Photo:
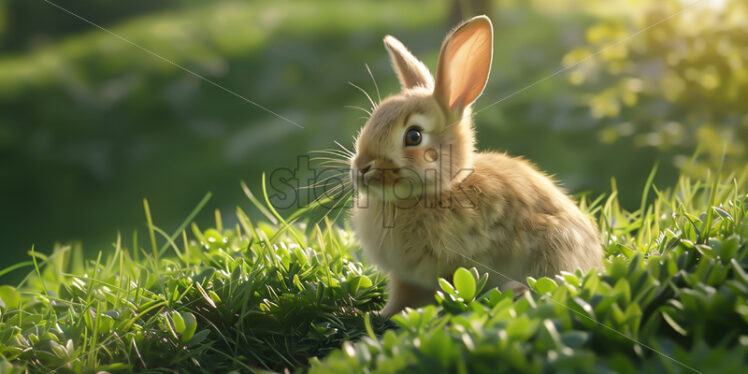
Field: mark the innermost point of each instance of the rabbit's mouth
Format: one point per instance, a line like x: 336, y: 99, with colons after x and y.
x: 381, y: 177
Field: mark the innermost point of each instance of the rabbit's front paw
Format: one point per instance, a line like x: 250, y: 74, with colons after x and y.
x: 518, y: 288
x: 404, y: 294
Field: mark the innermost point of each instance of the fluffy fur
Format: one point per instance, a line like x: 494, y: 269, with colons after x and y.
x: 423, y: 210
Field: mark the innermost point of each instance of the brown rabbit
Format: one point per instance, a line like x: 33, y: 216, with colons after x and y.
x: 426, y: 202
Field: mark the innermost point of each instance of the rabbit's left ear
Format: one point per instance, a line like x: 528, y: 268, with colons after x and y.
x: 464, y: 64
x: 410, y: 71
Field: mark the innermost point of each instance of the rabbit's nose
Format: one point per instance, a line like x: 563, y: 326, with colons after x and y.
x: 366, y: 168
x: 364, y: 163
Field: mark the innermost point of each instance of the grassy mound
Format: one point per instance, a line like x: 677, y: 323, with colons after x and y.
x: 284, y: 294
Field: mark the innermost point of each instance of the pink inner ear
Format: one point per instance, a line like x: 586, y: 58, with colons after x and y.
x: 455, y: 101
x: 471, y: 84
x: 466, y: 63
x: 469, y: 67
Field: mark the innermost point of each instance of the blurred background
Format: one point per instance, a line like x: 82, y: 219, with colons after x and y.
x: 90, y: 124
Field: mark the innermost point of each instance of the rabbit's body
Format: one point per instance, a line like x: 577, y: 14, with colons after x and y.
x: 507, y: 219
x: 427, y: 203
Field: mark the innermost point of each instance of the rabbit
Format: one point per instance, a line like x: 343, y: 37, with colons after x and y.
x: 426, y: 202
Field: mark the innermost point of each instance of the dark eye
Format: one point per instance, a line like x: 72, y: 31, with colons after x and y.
x: 413, y: 137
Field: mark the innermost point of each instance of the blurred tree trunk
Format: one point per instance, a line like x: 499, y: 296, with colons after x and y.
x: 464, y: 9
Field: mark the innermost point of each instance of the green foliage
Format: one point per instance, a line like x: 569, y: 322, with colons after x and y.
x: 244, y: 297
x: 672, y: 297
x: 671, y: 74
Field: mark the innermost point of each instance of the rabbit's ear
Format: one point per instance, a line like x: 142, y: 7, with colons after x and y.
x: 410, y: 71
x: 464, y: 64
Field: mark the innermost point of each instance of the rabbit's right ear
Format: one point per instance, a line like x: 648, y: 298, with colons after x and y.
x: 464, y: 64
x: 410, y: 71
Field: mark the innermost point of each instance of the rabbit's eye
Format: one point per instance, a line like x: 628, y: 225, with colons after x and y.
x: 413, y: 137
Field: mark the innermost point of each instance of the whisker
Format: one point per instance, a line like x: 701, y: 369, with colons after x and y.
x: 330, y: 159
x: 318, y: 183
x: 346, y: 197
x: 334, y: 152
x: 328, y: 150
x: 330, y: 194
x: 342, y: 176
x: 359, y: 108
x: 331, y: 165
x: 342, y: 185
x: 373, y: 106
x: 344, y: 148
x: 336, y: 164
x: 320, y: 197
x: 376, y: 86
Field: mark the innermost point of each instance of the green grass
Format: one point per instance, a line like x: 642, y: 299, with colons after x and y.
x: 280, y: 294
